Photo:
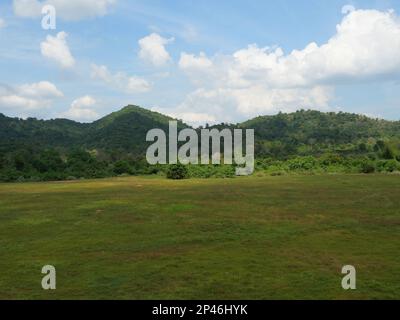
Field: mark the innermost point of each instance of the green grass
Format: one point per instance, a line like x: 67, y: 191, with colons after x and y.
x: 283, y: 237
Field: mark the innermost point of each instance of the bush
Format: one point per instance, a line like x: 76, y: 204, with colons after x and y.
x: 392, y: 165
x: 121, y: 167
x: 331, y: 159
x: 388, y: 165
x: 302, y: 163
x: 367, y: 167
x: 388, y: 153
x: 225, y: 171
x: 177, y: 172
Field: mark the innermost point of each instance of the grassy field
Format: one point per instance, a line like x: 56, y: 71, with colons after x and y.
x: 283, y: 237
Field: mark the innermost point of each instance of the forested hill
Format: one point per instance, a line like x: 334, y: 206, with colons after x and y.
x: 304, y: 126
x: 124, y: 130
x: 16, y: 133
x: 35, y: 149
x: 313, y: 132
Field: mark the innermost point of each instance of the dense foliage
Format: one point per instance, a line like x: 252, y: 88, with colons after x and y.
x: 177, y: 172
x: 303, y: 142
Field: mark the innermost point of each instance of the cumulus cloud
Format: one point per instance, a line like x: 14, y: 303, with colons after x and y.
x: 348, y: 8
x: 259, y: 80
x: 193, y: 118
x: 366, y: 44
x: 56, y: 48
x: 191, y: 62
x: 152, y: 49
x: 43, y: 89
x: 28, y: 97
x: 66, y: 9
x: 229, y: 104
x: 82, y: 110
x: 120, y: 81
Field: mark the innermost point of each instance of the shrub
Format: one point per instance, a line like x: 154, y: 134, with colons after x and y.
x: 391, y: 165
x: 367, y: 167
x: 331, y: 159
x: 388, y: 153
x: 121, y: 167
x: 387, y: 165
x: 226, y: 171
x: 177, y: 172
x: 302, y: 163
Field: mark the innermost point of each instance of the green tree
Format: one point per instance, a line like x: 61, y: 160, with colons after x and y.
x: 388, y: 153
x: 122, y: 166
x: 367, y: 167
x: 177, y: 172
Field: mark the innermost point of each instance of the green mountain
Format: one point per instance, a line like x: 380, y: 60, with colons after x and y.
x: 35, y: 149
x: 301, y: 126
x: 124, y: 130
x: 16, y: 133
x: 314, y: 132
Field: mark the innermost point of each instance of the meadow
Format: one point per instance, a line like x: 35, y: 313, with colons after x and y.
x: 273, y: 237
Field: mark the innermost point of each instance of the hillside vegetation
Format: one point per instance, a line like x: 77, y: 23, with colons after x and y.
x: 304, y: 141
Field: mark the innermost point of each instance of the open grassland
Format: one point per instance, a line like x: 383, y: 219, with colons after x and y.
x: 283, y: 237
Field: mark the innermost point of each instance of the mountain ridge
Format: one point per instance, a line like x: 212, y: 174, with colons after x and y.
x: 125, y: 130
x: 136, y: 108
x: 302, y: 141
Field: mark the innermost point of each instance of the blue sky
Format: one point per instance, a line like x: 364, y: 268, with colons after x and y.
x: 203, y: 61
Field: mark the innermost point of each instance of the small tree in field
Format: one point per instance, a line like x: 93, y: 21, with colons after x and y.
x: 367, y: 167
x: 177, y: 172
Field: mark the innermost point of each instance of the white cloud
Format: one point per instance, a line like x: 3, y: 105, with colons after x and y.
x: 191, y: 62
x: 257, y: 80
x: 56, y: 48
x: 201, y: 69
x: 66, y: 9
x: 42, y: 89
x: 27, y: 8
x: 82, y: 110
x: 229, y: 104
x: 152, y: 49
x: 366, y: 44
x: 17, y: 102
x: 2, y: 23
x: 120, y: 81
x: 348, y: 8
x: 29, y: 97
x: 192, y: 118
